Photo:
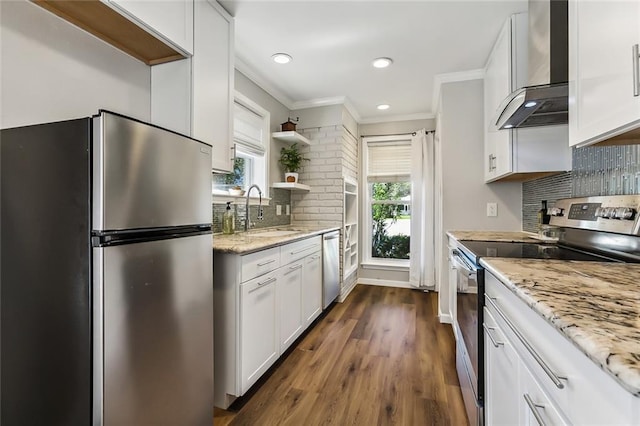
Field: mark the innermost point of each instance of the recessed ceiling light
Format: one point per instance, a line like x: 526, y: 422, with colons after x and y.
x: 281, y: 58
x: 383, y: 106
x: 530, y: 104
x: 382, y: 62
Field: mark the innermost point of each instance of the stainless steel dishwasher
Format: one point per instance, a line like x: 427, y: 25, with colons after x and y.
x: 330, y: 267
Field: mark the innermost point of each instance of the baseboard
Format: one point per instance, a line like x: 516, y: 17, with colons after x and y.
x: 445, y: 318
x: 385, y: 283
x: 344, y: 292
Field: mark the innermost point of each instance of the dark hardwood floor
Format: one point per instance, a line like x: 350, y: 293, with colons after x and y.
x: 379, y: 358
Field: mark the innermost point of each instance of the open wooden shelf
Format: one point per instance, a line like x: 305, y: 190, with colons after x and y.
x: 291, y: 137
x: 291, y: 186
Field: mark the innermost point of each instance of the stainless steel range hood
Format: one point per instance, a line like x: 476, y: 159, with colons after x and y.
x: 544, y: 101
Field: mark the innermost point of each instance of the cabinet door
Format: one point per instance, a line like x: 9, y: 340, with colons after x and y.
x: 312, y: 288
x: 290, y: 307
x: 212, y: 84
x: 502, y: 404
x: 497, y: 86
x: 172, y: 20
x: 258, y: 328
x: 601, y: 93
x: 536, y: 407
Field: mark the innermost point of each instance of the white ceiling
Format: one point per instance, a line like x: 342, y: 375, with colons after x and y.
x: 334, y: 42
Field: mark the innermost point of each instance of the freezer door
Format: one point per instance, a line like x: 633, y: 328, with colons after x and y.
x: 153, y: 323
x: 147, y: 177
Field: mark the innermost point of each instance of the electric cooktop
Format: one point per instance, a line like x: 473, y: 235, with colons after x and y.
x: 528, y: 251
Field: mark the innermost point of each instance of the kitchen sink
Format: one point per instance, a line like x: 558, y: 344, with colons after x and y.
x: 268, y: 234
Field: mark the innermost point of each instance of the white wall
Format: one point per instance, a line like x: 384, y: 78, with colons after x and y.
x: 279, y: 114
x: 464, y: 193
x: 396, y: 127
x: 386, y: 128
x: 52, y: 70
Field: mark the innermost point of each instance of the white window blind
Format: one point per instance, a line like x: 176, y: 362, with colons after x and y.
x: 248, y: 128
x: 388, y: 161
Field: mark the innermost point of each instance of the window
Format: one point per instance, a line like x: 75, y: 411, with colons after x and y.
x: 388, y: 199
x: 251, y: 145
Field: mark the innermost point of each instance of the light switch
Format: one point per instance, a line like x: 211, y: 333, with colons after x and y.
x: 492, y: 209
x: 288, y: 210
x: 278, y: 209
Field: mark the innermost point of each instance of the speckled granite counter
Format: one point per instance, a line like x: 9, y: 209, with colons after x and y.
x: 596, y: 305
x: 248, y: 242
x: 498, y: 236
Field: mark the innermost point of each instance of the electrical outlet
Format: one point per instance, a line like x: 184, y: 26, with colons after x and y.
x: 288, y: 210
x: 278, y: 210
x: 492, y: 209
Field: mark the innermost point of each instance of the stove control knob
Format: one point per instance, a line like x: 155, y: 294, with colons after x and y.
x: 556, y: 211
x: 600, y: 212
x: 607, y: 212
x: 625, y: 213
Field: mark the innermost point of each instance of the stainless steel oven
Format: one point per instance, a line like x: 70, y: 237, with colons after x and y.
x: 468, y: 321
x: 591, y: 229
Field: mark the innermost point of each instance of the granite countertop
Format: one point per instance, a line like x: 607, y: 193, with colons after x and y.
x: 596, y: 305
x: 249, y: 242
x: 497, y: 236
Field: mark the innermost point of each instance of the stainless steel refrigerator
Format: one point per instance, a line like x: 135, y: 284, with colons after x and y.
x: 106, y: 275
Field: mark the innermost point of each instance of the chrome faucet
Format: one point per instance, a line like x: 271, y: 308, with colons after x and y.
x: 247, y: 223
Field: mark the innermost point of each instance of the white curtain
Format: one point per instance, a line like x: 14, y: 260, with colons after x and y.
x: 422, y: 261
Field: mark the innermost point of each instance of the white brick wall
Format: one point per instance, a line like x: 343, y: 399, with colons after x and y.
x: 333, y: 154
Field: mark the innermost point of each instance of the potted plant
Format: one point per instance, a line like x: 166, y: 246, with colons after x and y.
x: 291, y: 160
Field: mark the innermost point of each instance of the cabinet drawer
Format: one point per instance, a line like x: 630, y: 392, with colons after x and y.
x: 587, y: 394
x: 259, y: 263
x: 300, y: 249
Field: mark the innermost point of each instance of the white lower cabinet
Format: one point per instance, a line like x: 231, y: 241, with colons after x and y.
x: 290, y: 297
x: 501, y: 370
x: 537, y: 407
x: 258, y: 323
x: 263, y: 302
x: 312, y: 288
x: 534, y: 370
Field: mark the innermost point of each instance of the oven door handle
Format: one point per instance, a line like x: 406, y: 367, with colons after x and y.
x: 459, y: 259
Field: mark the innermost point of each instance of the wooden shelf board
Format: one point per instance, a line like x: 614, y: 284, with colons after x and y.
x: 105, y: 23
x: 291, y: 137
x: 291, y: 186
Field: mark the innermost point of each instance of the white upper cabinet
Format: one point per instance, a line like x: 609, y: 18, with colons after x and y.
x: 517, y: 154
x: 212, y: 62
x: 172, y: 20
x: 195, y: 96
x: 604, y: 96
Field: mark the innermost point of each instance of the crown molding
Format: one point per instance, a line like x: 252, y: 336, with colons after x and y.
x: 440, y: 79
x: 335, y: 100
x: 390, y: 118
x: 268, y: 87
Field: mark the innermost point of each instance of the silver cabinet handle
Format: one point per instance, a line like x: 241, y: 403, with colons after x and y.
x: 555, y: 378
x: 270, y: 280
x: 494, y: 341
x: 490, y: 162
x: 302, y: 249
x: 266, y: 263
x: 233, y: 152
x: 263, y: 283
x: 635, y: 52
x: 293, y: 268
x: 534, y: 409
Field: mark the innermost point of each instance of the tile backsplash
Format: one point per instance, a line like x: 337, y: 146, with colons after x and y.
x: 550, y: 188
x: 607, y: 170
x: 596, y: 170
x: 278, y: 197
